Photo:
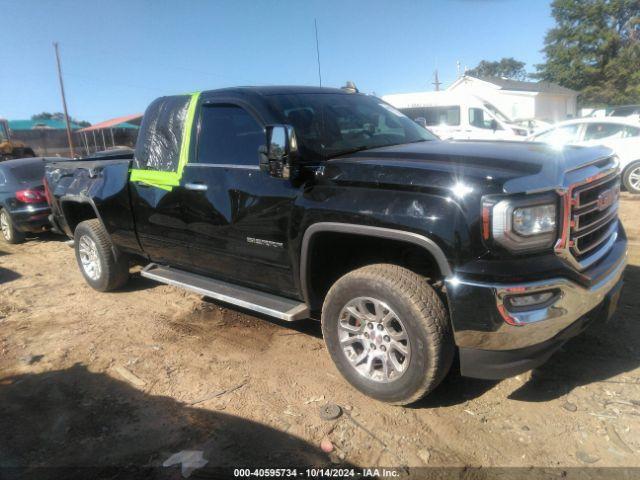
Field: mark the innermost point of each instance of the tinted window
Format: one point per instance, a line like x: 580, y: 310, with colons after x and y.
x: 435, y: 115
x: 331, y: 124
x: 597, y: 131
x: 632, y: 131
x: 229, y: 135
x: 29, y: 172
x: 565, y: 134
x: 478, y: 118
x: 3, y: 179
x: 625, y: 111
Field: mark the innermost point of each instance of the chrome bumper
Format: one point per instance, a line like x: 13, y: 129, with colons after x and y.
x: 520, y: 329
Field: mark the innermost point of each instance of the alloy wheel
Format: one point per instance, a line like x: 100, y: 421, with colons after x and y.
x: 634, y: 179
x: 89, y: 257
x: 374, y: 339
x: 5, y: 225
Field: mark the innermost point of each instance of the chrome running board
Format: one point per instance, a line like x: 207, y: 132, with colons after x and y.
x: 255, y: 300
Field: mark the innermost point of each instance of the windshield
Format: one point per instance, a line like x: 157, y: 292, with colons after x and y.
x: 332, y: 124
x: 497, y: 113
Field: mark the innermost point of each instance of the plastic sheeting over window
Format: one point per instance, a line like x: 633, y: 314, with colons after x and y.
x: 160, y: 139
x: 162, y: 150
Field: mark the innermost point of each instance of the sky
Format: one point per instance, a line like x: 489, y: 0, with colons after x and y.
x: 118, y: 55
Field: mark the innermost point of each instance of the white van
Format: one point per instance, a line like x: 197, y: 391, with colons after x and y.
x: 452, y: 115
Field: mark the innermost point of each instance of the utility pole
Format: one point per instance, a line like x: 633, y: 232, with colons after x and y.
x: 315, y: 22
x: 436, y: 82
x: 64, y: 101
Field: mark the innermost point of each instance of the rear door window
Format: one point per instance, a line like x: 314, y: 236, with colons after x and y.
x: 435, y: 116
x: 229, y: 135
x: 160, y: 138
x: 598, y: 131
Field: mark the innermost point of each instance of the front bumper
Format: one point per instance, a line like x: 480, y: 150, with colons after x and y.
x: 32, y: 218
x: 495, y: 342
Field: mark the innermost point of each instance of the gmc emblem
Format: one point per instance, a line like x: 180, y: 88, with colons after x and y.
x: 606, y: 198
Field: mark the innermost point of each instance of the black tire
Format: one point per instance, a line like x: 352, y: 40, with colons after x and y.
x: 632, y: 168
x: 423, y: 316
x: 10, y: 233
x: 113, y: 270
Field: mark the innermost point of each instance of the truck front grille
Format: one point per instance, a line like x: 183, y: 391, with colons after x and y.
x: 594, y: 216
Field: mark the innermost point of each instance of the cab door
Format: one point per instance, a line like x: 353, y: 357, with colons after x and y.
x: 238, y: 217
x: 157, y: 189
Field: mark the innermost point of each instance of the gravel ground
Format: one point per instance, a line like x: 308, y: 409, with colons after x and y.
x: 129, y: 378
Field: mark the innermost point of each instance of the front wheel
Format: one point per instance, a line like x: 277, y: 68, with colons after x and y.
x: 388, y: 333
x: 631, y: 177
x: 10, y: 233
x: 98, y: 262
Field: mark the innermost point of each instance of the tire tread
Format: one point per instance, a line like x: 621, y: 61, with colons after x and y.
x: 432, y: 317
x: 115, y: 270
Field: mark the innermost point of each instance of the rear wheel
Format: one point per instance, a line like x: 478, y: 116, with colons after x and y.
x: 631, y: 177
x: 388, y: 333
x: 9, y: 232
x: 99, y: 264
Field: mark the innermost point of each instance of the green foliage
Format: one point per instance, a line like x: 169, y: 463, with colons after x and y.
x: 595, y: 49
x: 506, y: 67
x: 58, y: 116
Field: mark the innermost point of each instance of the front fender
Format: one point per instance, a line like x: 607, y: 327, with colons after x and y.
x: 428, y: 220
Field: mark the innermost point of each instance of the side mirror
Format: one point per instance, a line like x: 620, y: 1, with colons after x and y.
x: 494, y: 124
x: 421, y: 121
x: 280, y: 154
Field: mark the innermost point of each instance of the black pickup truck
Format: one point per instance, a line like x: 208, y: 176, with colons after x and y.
x: 299, y: 202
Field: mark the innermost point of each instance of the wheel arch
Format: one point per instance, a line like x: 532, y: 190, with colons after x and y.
x: 77, y: 210
x: 422, y: 242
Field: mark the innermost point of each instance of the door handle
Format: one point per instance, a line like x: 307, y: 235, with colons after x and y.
x: 199, y: 187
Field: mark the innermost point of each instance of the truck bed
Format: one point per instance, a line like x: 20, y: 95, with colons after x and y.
x: 93, y: 188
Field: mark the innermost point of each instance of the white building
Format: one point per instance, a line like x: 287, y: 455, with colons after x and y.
x: 544, y: 101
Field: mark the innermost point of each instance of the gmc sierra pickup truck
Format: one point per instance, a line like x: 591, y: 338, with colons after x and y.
x: 318, y: 203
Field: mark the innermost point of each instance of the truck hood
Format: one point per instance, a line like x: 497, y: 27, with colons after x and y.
x: 499, y: 166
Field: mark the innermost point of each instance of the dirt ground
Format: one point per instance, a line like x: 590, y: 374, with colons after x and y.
x: 130, y: 378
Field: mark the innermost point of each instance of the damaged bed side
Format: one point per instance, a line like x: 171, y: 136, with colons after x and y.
x: 97, y: 187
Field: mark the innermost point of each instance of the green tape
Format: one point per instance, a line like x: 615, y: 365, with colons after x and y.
x: 168, y: 180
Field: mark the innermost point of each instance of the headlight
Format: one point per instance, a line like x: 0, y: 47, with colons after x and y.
x: 522, y: 225
x: 529, y: 221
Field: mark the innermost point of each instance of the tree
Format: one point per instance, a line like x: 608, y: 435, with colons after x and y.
x: 506, y: 67
x: 58, y: 116
x: 595, y: 49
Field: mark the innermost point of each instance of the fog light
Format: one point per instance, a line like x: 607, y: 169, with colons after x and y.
x: 519, y: 302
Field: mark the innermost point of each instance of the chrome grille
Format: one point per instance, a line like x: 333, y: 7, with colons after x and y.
x: 594, y: 216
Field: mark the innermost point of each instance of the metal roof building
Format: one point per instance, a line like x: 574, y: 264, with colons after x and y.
x: 119, y: 131
x: 52, y: 124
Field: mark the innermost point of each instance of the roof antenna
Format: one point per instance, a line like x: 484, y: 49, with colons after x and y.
x: 315, y: 22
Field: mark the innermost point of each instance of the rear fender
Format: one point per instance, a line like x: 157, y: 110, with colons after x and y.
x: 105, y: 188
